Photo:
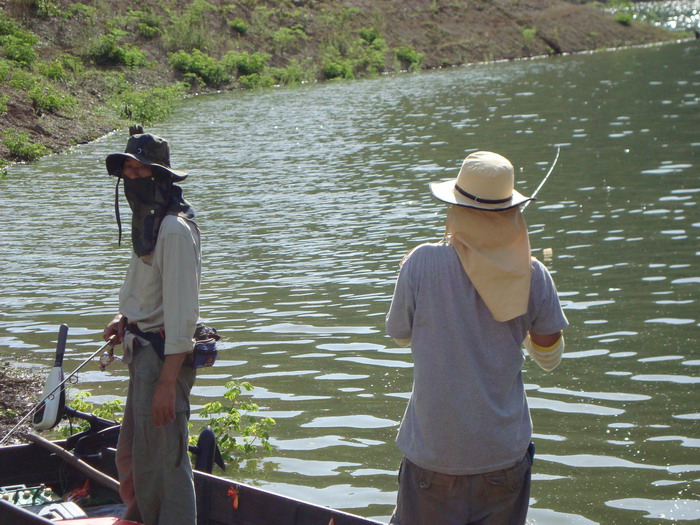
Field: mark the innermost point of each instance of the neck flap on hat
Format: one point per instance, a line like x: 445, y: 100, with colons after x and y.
x: 494, y: 250
x: 151, y: 199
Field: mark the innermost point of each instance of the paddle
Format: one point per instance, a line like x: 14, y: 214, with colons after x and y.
x: 79, y: 464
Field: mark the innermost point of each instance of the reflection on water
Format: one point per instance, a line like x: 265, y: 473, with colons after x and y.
x: 309, y: 197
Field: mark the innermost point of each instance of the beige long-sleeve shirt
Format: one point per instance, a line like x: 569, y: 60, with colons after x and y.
x: 161, y: 290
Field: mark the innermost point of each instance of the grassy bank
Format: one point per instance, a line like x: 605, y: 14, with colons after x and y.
x: 72, y: 71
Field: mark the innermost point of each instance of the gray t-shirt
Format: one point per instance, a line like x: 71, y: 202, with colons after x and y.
x: 468, y: 412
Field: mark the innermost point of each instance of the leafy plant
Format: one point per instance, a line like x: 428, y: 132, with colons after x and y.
x: 48, y: 98
x: 624, y: 18
x: 18, y: 49
x: 111, y: 410
x: 245, y: 63
x: 22, y: 79
x: 239, y: 26
x: 46, y: 8
x: 21, y: 147
x: 337, y: 68
x: 149, y: 105
x: 190, y: 30
x: 409, y: 57
x: 62, y: 67
x: 81, y: 9
x: 237, y: 432
x: 4, y: 99
x: 106, y: 50
x: 5, y: 68
x: 529, y: 34
x: 17, y: 44
x: 285, y: 37
x: 210, y: 70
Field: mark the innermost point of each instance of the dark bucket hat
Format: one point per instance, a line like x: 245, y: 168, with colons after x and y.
x: 148, y: 149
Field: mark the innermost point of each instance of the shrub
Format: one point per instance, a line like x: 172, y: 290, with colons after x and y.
x: 337, y: 68
x: 21, y: 147
x: 238, y: 25
x: 45, y: 8
x: 245, y: 63
x: 369, y: 34
x: 19, y: 50
x: 624, y: 18
x: 48, y: 98
x: 190, y: 29
x: 23, y: 79
x: 4, y: 99
x: 62, y: 67
x: 285, y: 37
x: 106, y: 50
x: 87, y: 11
x: 290, y: 75
x: 149, y: 105
x: 149, y: 23
x: 236, y: 430
x: 148, y: 31
x: 529, y: 34
x: 5, y: 68
x: 107, y: 410
x: 409, y: 58
x: 17, y: 44
x: 210, y: 70
x: 256, y: 80
x: 130, y: 56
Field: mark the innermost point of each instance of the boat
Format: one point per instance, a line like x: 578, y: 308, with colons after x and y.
x: 73, y: 482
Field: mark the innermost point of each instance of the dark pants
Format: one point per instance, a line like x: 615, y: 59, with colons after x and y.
x: 493, y: 498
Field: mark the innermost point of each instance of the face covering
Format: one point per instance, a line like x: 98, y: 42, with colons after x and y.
x: 150, y: 200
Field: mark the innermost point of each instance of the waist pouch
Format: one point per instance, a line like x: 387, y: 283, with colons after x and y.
x: 205, y: 338
x: 205, y: 352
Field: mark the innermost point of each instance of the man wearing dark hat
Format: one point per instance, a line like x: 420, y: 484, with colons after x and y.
x: 466, y: 306
x: 158, y: 311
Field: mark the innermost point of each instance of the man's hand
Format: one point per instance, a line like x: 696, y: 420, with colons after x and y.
x: 163, y: 406
x: 116, y: 327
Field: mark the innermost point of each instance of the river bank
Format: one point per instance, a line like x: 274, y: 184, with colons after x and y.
x: 72, y: 71
x: 20, y: 390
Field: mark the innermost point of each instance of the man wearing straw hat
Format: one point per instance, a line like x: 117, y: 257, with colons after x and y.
x: 158, y: 311
x: 466, y: 306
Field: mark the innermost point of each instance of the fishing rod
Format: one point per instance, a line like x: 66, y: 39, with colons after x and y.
x: 551, y: 168
x: 49, y: 411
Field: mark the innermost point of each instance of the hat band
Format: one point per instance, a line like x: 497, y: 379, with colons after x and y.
x: 479, y: 199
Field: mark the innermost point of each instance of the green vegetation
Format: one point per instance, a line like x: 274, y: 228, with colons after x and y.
x: 105, y: 64
x: 239, y: 434
x: 529, y: 34
x: 111, y: 410
x: 237, y: 431
x: 148, y: 106
x: 21, y: 147
x: 409, y: 58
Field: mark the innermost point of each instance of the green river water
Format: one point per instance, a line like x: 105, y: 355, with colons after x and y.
x: 309, y: 197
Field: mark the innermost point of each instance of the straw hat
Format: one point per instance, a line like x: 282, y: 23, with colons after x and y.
x: 485, y: 182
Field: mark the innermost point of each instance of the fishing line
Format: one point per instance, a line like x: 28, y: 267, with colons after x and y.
x: 51, y: 394
x: 551, y: 168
